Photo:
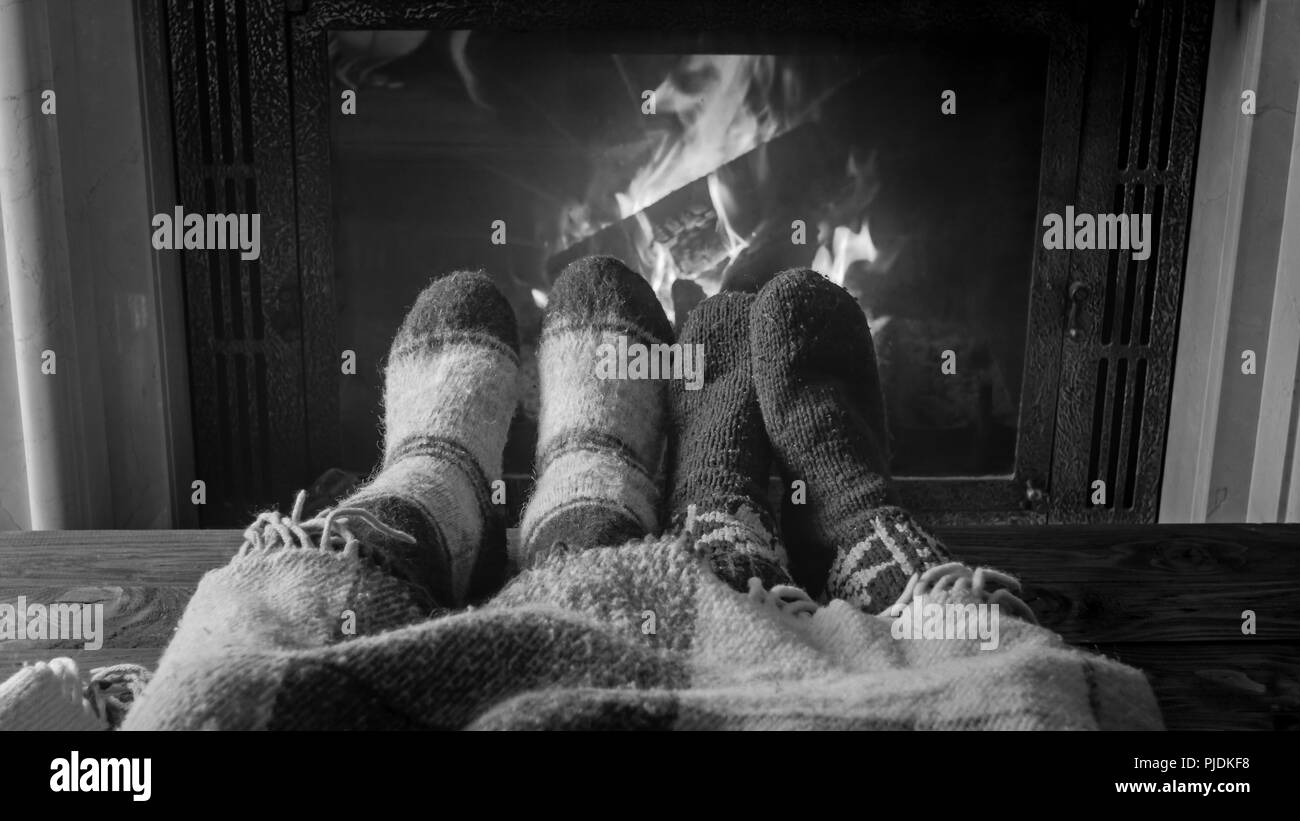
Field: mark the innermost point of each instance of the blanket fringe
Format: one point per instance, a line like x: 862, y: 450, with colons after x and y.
x: 957, y: 577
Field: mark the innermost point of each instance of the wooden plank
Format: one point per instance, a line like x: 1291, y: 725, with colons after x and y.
x: 1155, y: 553
x: 1241, y: 685
x: 109, y: 557
x: 1172, y: 611
x: 145, y: 615
x: 133, y: 616
x: 1090, y: 583
x: 1067, y: 552
x: 87, y: 660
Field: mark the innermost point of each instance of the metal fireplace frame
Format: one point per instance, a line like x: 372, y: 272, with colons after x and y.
x: 249, y: 93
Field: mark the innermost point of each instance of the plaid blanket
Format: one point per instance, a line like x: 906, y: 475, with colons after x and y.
x: 640, y: 636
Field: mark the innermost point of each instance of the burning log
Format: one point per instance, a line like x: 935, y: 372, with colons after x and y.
x: 776, y: 177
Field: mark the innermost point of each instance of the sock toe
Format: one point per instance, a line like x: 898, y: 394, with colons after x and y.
x: 594, y: 289
x: 463, y: 302
x: 810, y: 333
x: 816, y: 373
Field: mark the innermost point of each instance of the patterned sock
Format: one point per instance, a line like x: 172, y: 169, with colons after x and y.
x: 816, y: 377
x: 599, y: 437
x: 451, y: 385
x: 719, y: 452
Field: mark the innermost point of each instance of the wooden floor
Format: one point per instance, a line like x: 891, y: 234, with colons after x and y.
x: 1165, y: 598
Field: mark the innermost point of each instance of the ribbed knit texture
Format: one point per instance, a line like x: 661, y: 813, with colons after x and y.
x: 819, y: 389
x: 599, y: 441
x: 719, y: 454
x: 451, y: 386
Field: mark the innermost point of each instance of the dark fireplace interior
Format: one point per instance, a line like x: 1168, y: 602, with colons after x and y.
x: 761, y: 153
x: 710, y: 146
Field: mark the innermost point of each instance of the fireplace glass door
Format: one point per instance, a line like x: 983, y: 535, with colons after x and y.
x: 904, y: 170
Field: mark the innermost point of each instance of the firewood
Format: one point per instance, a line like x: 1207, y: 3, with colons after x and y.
x: 787, y: 169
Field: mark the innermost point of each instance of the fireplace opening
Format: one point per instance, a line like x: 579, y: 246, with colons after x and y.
x: 706, y: 162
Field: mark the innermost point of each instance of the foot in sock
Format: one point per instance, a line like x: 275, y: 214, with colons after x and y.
x: 451, y: 386
x: 816, y: 378
x: 719, y: 453
x: 599, y: 440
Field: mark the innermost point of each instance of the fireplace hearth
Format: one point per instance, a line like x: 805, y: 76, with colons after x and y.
x: 908, y: 151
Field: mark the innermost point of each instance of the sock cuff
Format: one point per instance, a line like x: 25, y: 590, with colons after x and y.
x: 449, y: 453
x: 739, y: 545
x: 872, y: 572
x: 592, y: 479
x: 591, y: 442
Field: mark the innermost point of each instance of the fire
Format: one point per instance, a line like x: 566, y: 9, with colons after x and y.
x: 710, y: 110
x: 724, y: 204
x: 843, y: 245
x: 657, y: 263
x: 717, y: 122
x: 721, y: 103
x: 846, y: 247
x: 459, y: 41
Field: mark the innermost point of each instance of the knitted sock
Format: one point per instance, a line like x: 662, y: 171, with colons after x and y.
x: 719, y: 452
x: 816, y: 377
x: 599, y: 436
x: 451, y: 385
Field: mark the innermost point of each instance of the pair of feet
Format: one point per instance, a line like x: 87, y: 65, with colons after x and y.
x: 789, y: 377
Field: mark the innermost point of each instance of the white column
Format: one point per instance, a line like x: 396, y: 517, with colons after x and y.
x: 63, y: 489
x: 1224, y: 456
x: 1275, y: 482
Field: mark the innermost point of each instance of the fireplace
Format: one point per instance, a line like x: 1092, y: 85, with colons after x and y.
x: 704, y: 170
x: 908, y: 151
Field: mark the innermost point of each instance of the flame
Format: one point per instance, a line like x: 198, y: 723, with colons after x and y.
x: 843, y: 246
x: 657, y: 263
x: 459, y: 41
x: 846, y: 247
x: 717, y: 123
x: 726, y: 114
x: 540, y: 299
x: 575, y: 223
x: 710, y: 110
x: 723, y: 204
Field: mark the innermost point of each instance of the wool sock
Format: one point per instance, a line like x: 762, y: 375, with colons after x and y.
x: 817, y: 382
x: 600, y: 429
x: 719, y: 453
x: 451, y: 386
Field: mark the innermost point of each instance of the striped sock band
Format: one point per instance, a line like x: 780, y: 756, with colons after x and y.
x: 600, y: 436
x: 872, y: 572
x: 817, y: 382
x: 451, y: 385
